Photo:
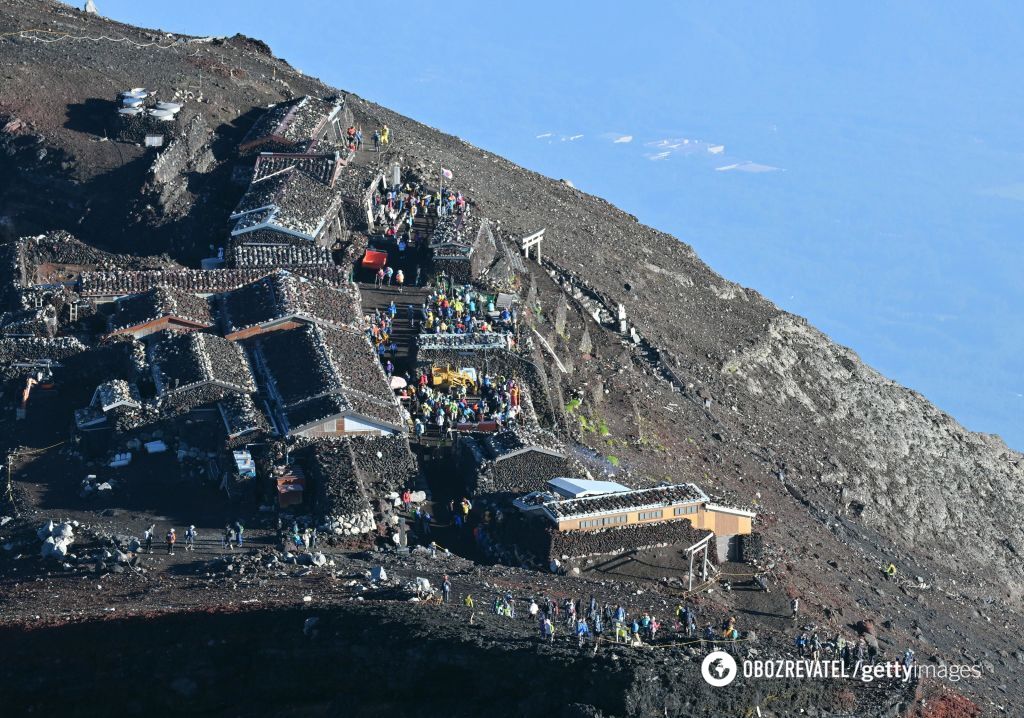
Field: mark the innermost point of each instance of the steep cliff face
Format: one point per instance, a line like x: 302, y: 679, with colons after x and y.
x: 901, y: 466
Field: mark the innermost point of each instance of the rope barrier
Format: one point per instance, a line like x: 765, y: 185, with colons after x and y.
x: 30, y: 34
x: 19, y: 452
x: 674, y: 644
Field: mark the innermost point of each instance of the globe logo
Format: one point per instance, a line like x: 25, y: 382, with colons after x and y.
x: 718, y: 669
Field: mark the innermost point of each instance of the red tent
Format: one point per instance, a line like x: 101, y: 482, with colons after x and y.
x: 374, y: 260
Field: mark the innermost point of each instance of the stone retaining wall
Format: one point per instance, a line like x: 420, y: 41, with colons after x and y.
x: 544, y: 542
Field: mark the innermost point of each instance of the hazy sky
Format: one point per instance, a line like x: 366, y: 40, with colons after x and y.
x: 859, y: 165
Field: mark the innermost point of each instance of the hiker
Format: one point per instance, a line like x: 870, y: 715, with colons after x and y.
x: 569, y: 606
x: 762, y: 581
x: 794, y: 606
x: 582, y: 631
x: 842, y: 649
x: 385, y: 135
x: 801, y: 644
x: 380, y: 277
x: 238, y: 532
x: 389, y: 368
x: 425, y: 519
x: 468, y: 602
x: 406, y: 499
x: 908, y: 660
x: 312, y: 538
x: 190, y: 538
x: 419, y: 431
x: 376, y: 141
x: 147, y: 537
x: 400, y: 280
x: 446, y: 590
x: 389, y: 273
x: 890, y: 571
x: 171, y: 538
x: 359, y: 138
x: 708, y: 640
x: 229, y: 536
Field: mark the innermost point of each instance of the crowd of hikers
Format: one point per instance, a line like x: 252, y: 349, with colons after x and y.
x: 445, y: 408
x: 380, y: 332
x: 354, y: 138
x: 461, y: 309
x: 396, y: 210
x: 592, y: 621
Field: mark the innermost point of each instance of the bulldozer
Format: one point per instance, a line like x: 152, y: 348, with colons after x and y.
x: 448, y: 378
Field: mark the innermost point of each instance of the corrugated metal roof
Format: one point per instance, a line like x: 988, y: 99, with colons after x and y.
x: 578, y: 488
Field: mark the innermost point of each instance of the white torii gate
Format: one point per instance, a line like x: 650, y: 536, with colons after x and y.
x: 533, y: 240
x: 705, y: 567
